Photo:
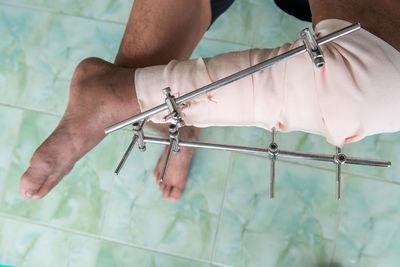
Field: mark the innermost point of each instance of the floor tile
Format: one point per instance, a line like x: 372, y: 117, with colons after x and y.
x: 10, y: 121
x: 22, y: 34
x: 210, y: 48
x: 24, y: 244
x: 296, y: 228
x: 276, y: 27
x: 237, y: 24
x: 78, y: 202
x: 109, y: 10
x: 69, y: 40
x: 111, y: 254
x: 369, y: 233
x: 138, y: 214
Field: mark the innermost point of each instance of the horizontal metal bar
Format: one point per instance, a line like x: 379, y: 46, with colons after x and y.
x: 264, y: 152
x: 304, y: 155
x: 234, y: 77
x: 368, y: 162
x: 240, y: 149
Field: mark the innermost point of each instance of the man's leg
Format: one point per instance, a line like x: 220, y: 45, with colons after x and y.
x: 159, y: 31
x: 102, y: 93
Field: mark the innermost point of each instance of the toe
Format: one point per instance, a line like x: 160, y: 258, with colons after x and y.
x: 166, y: 192
x: 31, y: 182
x: 176, y: 193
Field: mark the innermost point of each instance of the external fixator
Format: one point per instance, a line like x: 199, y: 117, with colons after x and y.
x: 312, y: 46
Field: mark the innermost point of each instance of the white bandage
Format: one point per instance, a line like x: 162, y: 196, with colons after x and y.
x: 354, y: 95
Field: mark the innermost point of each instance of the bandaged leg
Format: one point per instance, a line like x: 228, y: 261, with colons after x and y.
x: 354, y: 95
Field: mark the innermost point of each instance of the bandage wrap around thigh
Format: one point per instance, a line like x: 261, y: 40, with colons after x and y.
x: 354, y: 95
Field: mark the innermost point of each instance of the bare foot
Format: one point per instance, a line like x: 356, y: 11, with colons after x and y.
x: 178, y: 169
x: 100, y: 94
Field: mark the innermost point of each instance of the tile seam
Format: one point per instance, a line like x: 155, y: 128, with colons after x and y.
x: 54, y: 11
x: 98, y: 237
x: 213, y: 248
x: 225, y: 41
x: 30, y: 109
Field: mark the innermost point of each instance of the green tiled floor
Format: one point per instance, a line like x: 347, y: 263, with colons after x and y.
x: 225, y: 217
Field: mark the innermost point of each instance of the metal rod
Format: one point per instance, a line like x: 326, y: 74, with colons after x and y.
x: 126, y: 155
x: 338, y: 173
x: 338, y: 181
x: 273, y: 147
x: 272, y: 182
x: 264, y: 152
x: 164, y: 170
x: 234, y: 77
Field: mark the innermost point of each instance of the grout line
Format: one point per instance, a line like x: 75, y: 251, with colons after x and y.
x: 54, y: 11
x: 226, y: 41
x: 14, y: 146
x: 213, y: 248
x: 98, y: 237
x: 220, y: 264
x: 253, y: 38
x: 31, y: 109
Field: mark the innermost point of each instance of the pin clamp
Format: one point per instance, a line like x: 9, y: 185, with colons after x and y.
x: 173, y: 108
x: 313, y: 48
x: 311, y: 45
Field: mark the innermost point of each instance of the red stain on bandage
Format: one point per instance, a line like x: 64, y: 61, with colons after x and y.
x: 354, y: 137
x: 209, y: 97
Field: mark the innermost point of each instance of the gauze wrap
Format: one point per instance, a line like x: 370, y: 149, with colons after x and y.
x: 356, y: 93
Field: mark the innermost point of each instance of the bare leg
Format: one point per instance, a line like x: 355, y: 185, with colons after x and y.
x: 157, y: 32
x: 102, y: 94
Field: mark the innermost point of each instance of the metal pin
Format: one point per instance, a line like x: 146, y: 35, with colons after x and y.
x: 138, y: 131
x: 273, y: 150
x: 138, y: 136
x: 126, y: 155
x: 173, y: 146
x: 339, y: 159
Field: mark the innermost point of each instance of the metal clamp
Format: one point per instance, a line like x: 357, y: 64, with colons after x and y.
x: 173, y: 146
x: 138, y: 137
x: 313, y: 48
x: 173, y: 108
x: 273, y: 152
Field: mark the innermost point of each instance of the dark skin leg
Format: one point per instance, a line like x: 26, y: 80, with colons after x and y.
x: 176, y: 34
x: 102, y: 94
